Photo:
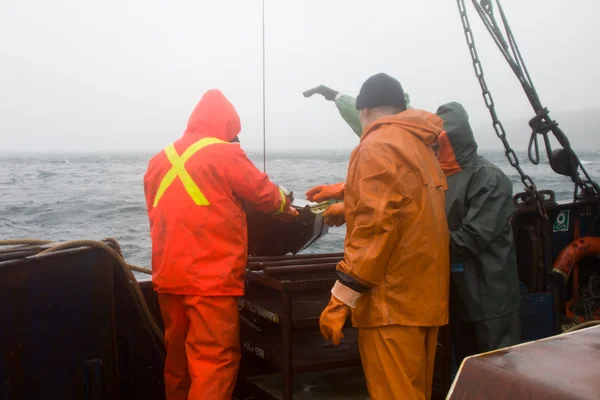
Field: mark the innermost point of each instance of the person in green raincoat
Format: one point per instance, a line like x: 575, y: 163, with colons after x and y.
x: 484, y: 289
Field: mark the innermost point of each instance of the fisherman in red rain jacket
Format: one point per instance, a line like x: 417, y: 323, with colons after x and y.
x: 194, y: 192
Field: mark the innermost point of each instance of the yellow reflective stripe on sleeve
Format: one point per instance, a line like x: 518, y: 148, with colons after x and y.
x: 178, y: 170
x: 283, y: 202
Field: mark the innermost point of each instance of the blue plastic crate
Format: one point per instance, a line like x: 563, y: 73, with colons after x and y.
x: 537, y: 319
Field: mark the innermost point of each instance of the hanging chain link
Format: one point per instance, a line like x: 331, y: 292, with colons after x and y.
x: 541, y: 124
x: 489, y: 102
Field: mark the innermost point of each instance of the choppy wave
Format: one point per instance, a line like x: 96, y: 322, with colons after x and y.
x: 9, y: 181
x: 93, y: 197
x: 47, y: 174
x: 132, y: 209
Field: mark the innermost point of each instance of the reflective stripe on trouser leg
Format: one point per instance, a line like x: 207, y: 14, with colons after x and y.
x: 177, y: 378
x: 213, y: 346
x: 398, y: 361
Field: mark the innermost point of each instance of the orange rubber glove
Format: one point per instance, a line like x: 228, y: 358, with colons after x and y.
x: 326, y: 192
x: 334, y: 215
x: 332, y: 320
x: 289, y: 214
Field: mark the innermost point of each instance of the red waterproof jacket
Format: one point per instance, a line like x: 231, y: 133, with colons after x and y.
x: 194, y: 192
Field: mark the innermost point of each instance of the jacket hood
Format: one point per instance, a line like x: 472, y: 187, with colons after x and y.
x: 214, y: 116
x: 423, y: 124
x: 457, y: 143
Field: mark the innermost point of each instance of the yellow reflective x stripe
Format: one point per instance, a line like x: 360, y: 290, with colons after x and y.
x: 283, y: 201
x: 178, y: 170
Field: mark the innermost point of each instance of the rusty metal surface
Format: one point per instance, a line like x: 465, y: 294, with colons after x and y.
x: 533, y: 247
x: 561, y: 367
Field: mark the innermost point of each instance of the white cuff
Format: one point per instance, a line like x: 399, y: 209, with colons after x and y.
x: 345, y: 294
x: 337, y: 96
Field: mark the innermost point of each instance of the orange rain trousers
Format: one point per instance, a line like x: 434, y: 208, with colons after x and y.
x: 203, y: 346
x: 398, y: 361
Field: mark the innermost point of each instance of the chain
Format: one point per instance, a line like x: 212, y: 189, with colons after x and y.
x: 541, y: 124
x: 489, y: 102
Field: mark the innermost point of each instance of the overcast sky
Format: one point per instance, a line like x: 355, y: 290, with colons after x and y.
x: 124, y: 75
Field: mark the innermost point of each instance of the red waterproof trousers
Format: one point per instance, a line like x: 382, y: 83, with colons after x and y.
x: 203, y: 346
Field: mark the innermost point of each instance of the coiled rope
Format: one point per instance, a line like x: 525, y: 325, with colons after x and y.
x: 112, y: 243
x: 583, y: 325
x: 24, y: 242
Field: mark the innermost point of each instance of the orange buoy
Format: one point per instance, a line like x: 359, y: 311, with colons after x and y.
x: 574, y: 252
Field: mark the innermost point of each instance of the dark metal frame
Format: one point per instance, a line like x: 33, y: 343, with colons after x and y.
x: 291, y: 280
x: 291, y: 277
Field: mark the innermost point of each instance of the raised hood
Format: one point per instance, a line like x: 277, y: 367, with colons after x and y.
x: 214, y: 116
x: 457, y: 143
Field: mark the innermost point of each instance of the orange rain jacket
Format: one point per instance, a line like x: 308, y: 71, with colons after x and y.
x: 397, y: 236
x: 194, y: 192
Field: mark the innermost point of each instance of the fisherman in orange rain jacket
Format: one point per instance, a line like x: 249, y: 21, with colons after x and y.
x: 394, y: 278
x: 194, y: 192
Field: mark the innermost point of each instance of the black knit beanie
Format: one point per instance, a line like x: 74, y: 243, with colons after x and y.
x: 381, y: 90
